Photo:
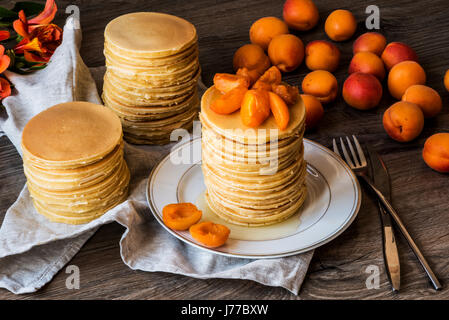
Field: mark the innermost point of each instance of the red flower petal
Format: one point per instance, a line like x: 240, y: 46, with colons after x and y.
x: 46, y: 16
x: 4, y: 63
x: 31, y: 57
x: 21, y: 25
x: 4, y: 34
x: 5, y: 88
x: 33, y: 45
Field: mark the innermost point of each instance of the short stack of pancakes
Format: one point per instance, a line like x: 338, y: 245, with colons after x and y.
x: 73, y: 161
x: 254, y: 177
x: 152, y: 73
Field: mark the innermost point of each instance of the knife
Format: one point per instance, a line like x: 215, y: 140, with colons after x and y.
x: 381, y: 180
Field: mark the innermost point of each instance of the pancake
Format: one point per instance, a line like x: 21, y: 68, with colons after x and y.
x: 254, y: 177
x: 152, y: 70
x: 71, y: 133
x: 231, y: 126
x: 73, y: 161
x: 153, y: 34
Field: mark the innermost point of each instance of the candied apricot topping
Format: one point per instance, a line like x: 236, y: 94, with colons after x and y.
x: 180, y: 216
x: 229, y: 102
x: 251, y: 75
x: 279, y: 110
x: 255, y: 108
x: 287, y: 92
x: 210, y: 234
x: 225, y: 82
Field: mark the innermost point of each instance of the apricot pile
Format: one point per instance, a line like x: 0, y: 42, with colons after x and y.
x: 373, y: 61
x: 256, y: 98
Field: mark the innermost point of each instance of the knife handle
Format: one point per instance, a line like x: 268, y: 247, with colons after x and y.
x: 391, y: 256
x: 433, y: 278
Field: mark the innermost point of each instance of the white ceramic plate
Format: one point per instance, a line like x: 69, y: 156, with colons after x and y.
x: 333, y: 201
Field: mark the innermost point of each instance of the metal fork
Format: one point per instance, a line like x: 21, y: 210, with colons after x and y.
x: 359, y: 165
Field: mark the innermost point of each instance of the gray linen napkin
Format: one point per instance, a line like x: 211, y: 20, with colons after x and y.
x: 33, y: 249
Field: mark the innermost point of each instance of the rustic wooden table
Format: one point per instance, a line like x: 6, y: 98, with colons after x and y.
x: 338, y: 269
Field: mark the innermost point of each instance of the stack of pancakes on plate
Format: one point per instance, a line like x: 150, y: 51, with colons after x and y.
x: 152, y: 73
x: 73, y: 161
x: 254, y: 176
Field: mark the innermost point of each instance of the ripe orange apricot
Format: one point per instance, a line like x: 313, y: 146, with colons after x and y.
x: 230, y: 101
x: 367, y: 62
x: 300, y: 15
x: 403, y: 75
x: 251, y: 56
x: 425, y: 97
x: 255, y: 108
x: 340, y: 25
x: 225, y: 82
x: 322, y: 55
x: 287, y: 92
x: 396, y: 52
x: 180, y: 216
x: 280, y: 110
x: 370, y: 42
x: 321, y: 84
x: 210, y: 234
x: 436, y: 152
x: 286, y: 51
x: 362, y: 91
x: 265, y: 29
x: 403, y: 121
x: 446, y: 80
x: 314, y: 110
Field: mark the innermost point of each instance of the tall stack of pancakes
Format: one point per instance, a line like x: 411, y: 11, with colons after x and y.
x: 254, y: 177
x: 73, y: 161
x: 152, y: 73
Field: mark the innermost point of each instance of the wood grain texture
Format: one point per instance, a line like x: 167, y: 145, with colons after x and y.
x: 338, y: 268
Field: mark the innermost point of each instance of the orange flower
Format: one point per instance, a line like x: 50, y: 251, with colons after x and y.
x: 24, y: 27
x: 40, y: 38
x: 5, y: 88
x: 4, y: 35
x: 4, y: 59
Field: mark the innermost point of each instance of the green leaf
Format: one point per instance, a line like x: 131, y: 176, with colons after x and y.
x: 5, y: 24
x: 30, y: 8
x: 5, y: 13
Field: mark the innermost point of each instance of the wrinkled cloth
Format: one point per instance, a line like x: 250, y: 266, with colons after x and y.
x: 33, y: 249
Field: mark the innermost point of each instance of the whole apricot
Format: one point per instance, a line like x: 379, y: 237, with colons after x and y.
x: 370, y: 42
x: 340, y: 25
x: 252, y: 57
x: 321, y: 84
x: 367, y: 62
x: 424, y: 97
x: 265, y: 29
x: 322, y: 55
x: 436, y: 152
x: 362, y: 91
x: 314, y: 110
x: 300, y: 14
x: 403, y: 75
x: 446, y: 80
x: 403, y: 121
x: 286, y: 52
x: 396, y: 52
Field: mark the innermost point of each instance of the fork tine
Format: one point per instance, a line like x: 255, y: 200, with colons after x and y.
x: 334, y: 143
x: 356, y: 160
x: 345, y: 152
x: 360, y: 151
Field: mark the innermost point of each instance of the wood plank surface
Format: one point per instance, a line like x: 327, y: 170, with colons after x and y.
x: 338, y: 268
